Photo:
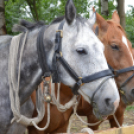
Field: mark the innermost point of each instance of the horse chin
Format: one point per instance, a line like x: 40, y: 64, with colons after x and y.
x: 99, y: 116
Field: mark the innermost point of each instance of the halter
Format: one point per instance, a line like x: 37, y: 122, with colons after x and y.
x: 121, y: 71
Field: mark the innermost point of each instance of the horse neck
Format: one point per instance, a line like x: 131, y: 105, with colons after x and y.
x: 30, y: 70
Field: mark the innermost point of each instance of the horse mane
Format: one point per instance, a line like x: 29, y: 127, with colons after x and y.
x: 25, y: 25
x: 31, y: 26
x: 58, y: 19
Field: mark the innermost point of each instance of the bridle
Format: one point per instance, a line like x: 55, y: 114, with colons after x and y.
x: 59, y: 57
x: 121, y: 71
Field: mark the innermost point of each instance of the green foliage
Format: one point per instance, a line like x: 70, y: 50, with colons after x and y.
x: 130, y: 25
x: 50, y: 9
x: 47, y: 10
x: 111, y: 8
x: 35, y: 10
x: 14, y: 11
x: 129, y: 108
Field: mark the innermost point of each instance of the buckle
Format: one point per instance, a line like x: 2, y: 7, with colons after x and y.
x: 122, y: 92
x: 60, y: 53
x: 61, y: 33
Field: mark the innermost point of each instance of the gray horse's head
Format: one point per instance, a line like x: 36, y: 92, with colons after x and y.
x: 84, y: 53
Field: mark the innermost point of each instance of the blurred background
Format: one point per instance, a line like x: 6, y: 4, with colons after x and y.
x: 11, y: 11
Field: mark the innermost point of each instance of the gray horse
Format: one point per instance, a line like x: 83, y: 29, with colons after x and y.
x: 81, y: 49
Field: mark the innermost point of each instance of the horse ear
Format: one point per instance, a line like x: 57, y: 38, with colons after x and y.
x: 92, y: 19
x: 70, y: 12
x: 116, y: 17
x: 102, y: 23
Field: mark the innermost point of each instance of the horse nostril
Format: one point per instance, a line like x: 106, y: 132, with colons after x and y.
x: 107, y: 100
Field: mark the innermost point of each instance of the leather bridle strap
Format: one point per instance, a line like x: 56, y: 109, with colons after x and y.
x: 121, y: 71
x: 97, y: 75
x: 100, y: 87
x: 118, y: 72
x: 128, y: 79
x: 41, y: 53
x: 72, y: 73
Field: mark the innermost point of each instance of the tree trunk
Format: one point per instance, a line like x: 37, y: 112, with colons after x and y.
x: 121, y: 12
x: 99, y: 5
x: 104, y: 8
x: 33, y: 8
x: 2, y: 18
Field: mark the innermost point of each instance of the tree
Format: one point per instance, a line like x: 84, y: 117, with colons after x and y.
x: 2, y: 18
x: 121, y: 12
x: 35, y: 10
x: 34, y: 6
x: 104, y: 8
x: 130, y: 25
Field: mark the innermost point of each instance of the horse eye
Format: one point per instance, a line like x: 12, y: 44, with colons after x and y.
x: 115, y: 47
x: 81, y: 51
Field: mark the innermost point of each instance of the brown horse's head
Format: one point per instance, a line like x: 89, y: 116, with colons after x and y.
x: 118, y: 51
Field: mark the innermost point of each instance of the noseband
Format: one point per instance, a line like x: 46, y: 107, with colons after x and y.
x: 121, y: 71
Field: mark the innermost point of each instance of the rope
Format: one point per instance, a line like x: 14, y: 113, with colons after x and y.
x: 48, y: 120
x: 60, y: 107
x: 116, y: 121
x: 76, y: 115
x: 87, y: 130
x: 14, y: 80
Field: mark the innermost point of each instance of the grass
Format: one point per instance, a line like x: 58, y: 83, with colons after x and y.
x: 129, y: 108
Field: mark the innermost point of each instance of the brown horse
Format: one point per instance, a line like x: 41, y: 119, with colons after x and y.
x: 118, y: 55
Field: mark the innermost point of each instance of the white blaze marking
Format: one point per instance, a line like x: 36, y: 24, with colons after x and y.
x: 125, y: 42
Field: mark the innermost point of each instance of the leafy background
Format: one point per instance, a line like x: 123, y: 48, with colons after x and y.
x: 47, y: 10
